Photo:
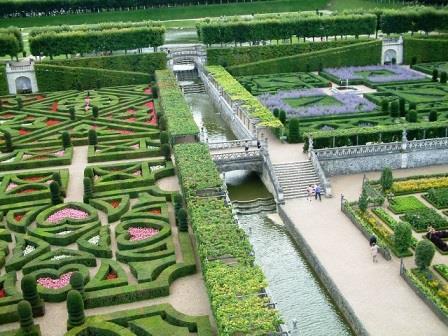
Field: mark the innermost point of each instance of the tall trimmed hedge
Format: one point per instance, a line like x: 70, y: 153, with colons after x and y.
x: 3, y: 81
x: 406, y: 20
x: 364, y: 53
x: 234, y: 56
x: 425, y: 49
x: 53, y: 44
x: 57, y: 78
x: 147, y: 63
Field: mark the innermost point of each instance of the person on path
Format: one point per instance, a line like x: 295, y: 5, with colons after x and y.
x: 372, y: 240
x: 317, y: 192
x: 374, y: 248
x: 258, y: 144
x: 309, y: 191
x: 431, y: 231
x: 246, y: 146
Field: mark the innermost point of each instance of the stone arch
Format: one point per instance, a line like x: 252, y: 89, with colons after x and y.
x: 23, y: 84
x: 389, y: 55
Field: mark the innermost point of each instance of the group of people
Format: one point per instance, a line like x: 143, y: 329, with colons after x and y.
x: 246, y: 145
x: 315, y: 190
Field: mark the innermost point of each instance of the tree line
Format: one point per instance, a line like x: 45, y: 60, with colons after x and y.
x: 11, y: 42
x: 306, y: 26
x: 30, y: 7
x: 53, y: 44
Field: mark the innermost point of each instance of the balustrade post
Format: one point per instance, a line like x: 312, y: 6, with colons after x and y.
x: 310, y: 146
x: 404, y: 140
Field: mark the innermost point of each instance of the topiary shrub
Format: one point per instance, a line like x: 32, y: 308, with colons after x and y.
x: 95, y: 112
x: 26, y: 318
x: 93, y: 138
x: 433, y: 116
x: 19, y: 103
x: 55, y: 191
x: 363, y: 202
x: 414, y: 60
x: 162, y: 123
x: 294, y: 131
x: 183, y: 220
x: 66, y: 139
x: 75, y: 309
x: 282, y: 117
x: 402, y: 237
x: 386, y: 179
x: 88, y: 172
x: 412, y: 116
x: 164, y: 137
x: 435, y: 75
x: 276, y: 112
x: 57, y: 178
x: 8, y: 142
x: 385, y: 106
x: 72, y: 113
x: 412, y: 106
x: 88, y: 189
x: 77, y: 283
x: 155, y: 92
x: 30, y: 294
x: 424, y: 252
x: 443, y: 77
x: 402, y: 107
x: 394, y: 109
x: 165, y: 149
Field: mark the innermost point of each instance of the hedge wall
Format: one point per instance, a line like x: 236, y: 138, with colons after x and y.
x: 234, y: 56
x: 364, y: 53
x: 3, y: 82
x: 147, y: 63
x: 57, y: 78
x: 425, y: 50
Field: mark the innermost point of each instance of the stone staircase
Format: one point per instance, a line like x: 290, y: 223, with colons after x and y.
x: 193, y: 88
x: 254, y: 206
x: 295, y: 177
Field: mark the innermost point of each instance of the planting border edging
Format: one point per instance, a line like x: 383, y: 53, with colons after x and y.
x: 320, y: 271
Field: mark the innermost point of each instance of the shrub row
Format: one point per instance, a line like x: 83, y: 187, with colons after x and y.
x: 225, y: 31
x: 52, y: 44
x: 425, y: 50
x: 56, y: 78
x: 366, y: 53
x: 11, y: 42
x: 413, y: 19
x: 242, y: 55
x: 238, y: 93
x: 174, y: 107
x: 147, y: 63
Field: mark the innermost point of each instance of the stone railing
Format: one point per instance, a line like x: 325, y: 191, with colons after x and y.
x: 236, y: 156
x: 270, y: 169
x: 363, y: 150
x: 321, y: 174
x: 19, y: 66
x: 437, y: 143
x: 236, y: 144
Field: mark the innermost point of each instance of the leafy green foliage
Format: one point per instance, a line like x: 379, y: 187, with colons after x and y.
x: 66, y: 139
x: 405, y: 203
x: 77, y: 282
x: 55, y: 193
x: 443, y: 77
x: 402, y: 237
x: 412, y: 116
x: 363, y: 202
x: 75, y: 309
x: 438, y: 197
x: 421, y: 219
x: 294, y: 131
x: 8, y: 141
x: 433, y: 116
x: 88, y: 189
x: 165, y: 149
x: 93, y: 137
x: 164, y: 137
x: 424, y: 253
x: 386, y: 179
x: 394, y: 109
x: 25, y: 317
x: 30, y: 294
x: 183, y: 220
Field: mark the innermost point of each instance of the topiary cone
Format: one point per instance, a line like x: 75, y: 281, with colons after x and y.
x: 77, y: 283
x: 25, y: 318
x: 30, y: 294
x: 75, y: 309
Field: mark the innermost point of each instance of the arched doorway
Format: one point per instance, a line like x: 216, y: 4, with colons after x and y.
x: 389, y: 56
x: 23, y: 85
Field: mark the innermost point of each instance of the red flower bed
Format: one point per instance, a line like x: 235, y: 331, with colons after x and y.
x: 150, y: 105
x: 155, y: 211
x: 23, y: 132
x: 2, y: 293
x: 130, y: 111
x: 25, y: 191
x: 18, y: 217
x: 32, y: 178
x: 152, y: 120
x: 125, y: 132
x: 52, y: 122
x: 30, y: 118
x: 54, y: 106
x: 7, y: 116
x: 39, y: 97
x: 111, y: 275
x: 131, y: 119
x: 115, y: 203
x: 148, y: 91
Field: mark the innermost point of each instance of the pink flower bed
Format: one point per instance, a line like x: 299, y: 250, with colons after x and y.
x: 140, y: 233
x: 67, y: 213
x: 130, y: 111
x: 59, y: 153
x: 11, y: 186
x: 148, y: 91
x: 50, y: 283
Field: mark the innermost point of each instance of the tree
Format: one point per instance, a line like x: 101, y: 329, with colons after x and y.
x: 165, y: 150
x: 424, y: 252
x: 93, y: 138
x: 26, y: 318
x: 8, y: 142
x: 55, y: 193
x: 394, y: 109
x: 66, y: 139
x: 435, y: 75
x: 282, y: 117
x: 57, y: 178
x: 412, y: 116
x: 19, y: 103
x: 95, y: 112
x: 386, y: 179
x: 443, y: 77
x: 412, y: 106
x: 72, y: 113
x: 363, y: 201
x: 276, y: 112
x: 75, y: 309
x: 402, y: 104
x: 183, y: 220
x: 162, y: 123
x: 294, y: 131
x: 402, y: 237
x: 164, y: 137
x: 88, y: 189
x: 29, y: 291
x: 77, y: 283
x: 384, y: 106
x: 433, y: 116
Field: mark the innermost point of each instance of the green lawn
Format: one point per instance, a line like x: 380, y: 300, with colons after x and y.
x: 312, y: 101
x: 367, y: 74
x: 173, y: 13
x: 362, y: 4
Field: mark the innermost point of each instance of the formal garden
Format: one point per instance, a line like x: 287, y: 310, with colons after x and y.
x: 409, y: 218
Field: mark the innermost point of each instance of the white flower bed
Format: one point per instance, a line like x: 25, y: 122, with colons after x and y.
x: 59, y: 257
x: 28, y: 249
x: 64, y: 232
x: 95, y: 240
x: 154, y: 168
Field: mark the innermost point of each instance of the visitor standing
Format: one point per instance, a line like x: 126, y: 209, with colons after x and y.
x: 309, y: 191
x: 372, y: 240
x: 246, y: 146
x: 317, y: 192
x: 374, y: 248
x: 258, y: 144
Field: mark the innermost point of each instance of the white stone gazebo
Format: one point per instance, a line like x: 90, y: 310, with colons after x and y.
x: 21, y: 77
